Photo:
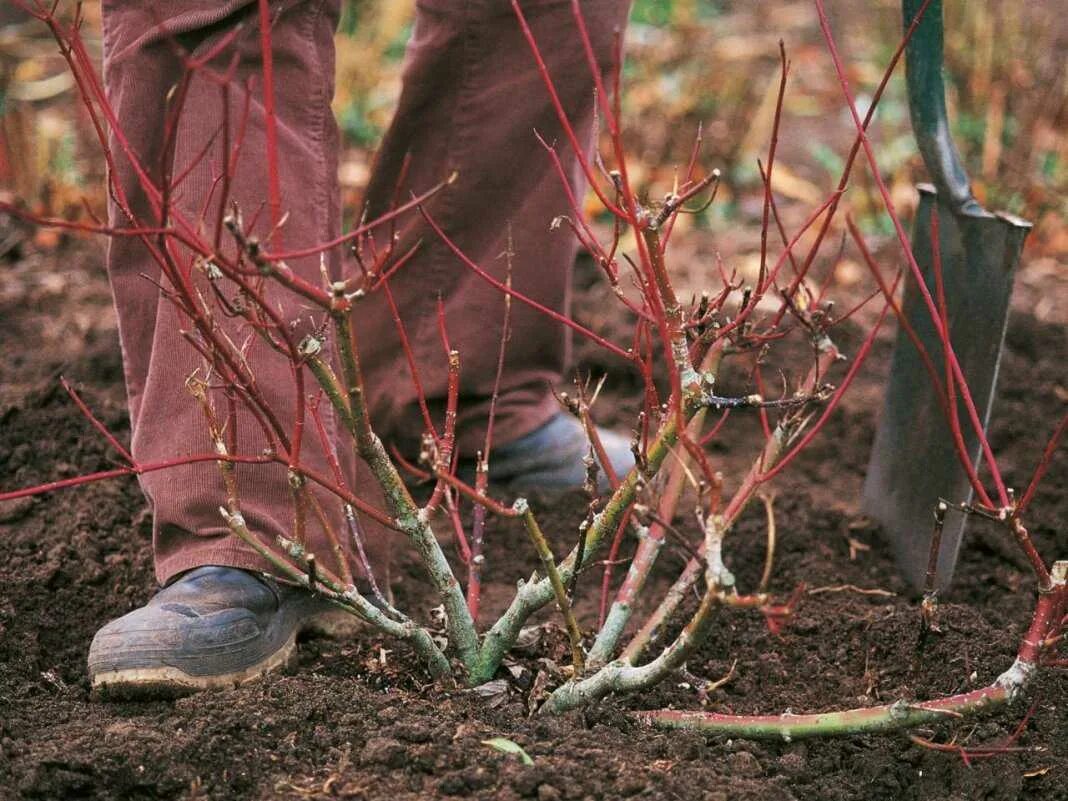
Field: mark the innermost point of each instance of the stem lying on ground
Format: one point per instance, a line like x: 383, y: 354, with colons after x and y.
x: 900, y: 714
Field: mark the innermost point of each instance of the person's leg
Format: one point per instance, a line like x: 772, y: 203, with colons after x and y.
x: 219, y: 621
x: 141, y: 70
x: 467, y: 68
x: 471, y: 101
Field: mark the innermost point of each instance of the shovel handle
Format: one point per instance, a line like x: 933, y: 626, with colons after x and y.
x: 927, y: 106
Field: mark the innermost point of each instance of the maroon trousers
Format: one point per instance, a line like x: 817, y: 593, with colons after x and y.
x: 471, y: 101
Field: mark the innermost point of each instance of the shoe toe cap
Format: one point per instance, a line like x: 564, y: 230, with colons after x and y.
x: 155, y: 636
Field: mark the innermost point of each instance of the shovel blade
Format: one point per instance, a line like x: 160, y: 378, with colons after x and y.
x: 914, y: 462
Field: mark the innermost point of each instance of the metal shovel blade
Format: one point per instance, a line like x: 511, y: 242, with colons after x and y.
x: 914, y: 461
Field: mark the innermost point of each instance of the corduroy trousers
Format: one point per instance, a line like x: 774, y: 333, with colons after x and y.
x: 471, y: 101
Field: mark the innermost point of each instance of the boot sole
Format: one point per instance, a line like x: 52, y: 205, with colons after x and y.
x: 162, y: 683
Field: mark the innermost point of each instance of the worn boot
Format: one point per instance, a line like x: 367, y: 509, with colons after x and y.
x: 213, y: 627
x: 551, y: 457
x: 224, y: 626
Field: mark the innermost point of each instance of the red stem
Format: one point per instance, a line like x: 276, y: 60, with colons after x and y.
x: 610, y: 563
x: 478, y: 531
x: 765, y: 222
x: 413, y: 367
x: 565, y: 123
x: 360, y: 230
x: 855, y: 149
x: 474, y: 495
x: 151, y: 467
x: 100, y: 427
x: 458, y: 529
x: 576, y: 327
x: 690, y: 169
x: 1042, y: 466
x: 711, y: 435
x: 953, y: 416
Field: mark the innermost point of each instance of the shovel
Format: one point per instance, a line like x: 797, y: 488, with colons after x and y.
x: 914, y: 463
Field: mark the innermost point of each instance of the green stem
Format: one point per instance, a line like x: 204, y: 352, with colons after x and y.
x: 898, y: 715
x: 533, y: 595
x: 541, y: 545
x: 349, y: 599
x: 622, y: 677
x: 649, y: 547
x: 410, y: 518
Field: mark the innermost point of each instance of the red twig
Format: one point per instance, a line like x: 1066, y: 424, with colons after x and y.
x: 152, y: 467
x: 100, y: 427
x: 577, y: 147
x: 474, y: 495
x: 714, y: 431
x: 443, y: 460
x: 968, y: 753
x: 478, y: 524
x: 489, y: 279
x: 610, y: 562
x: 953, y: 416
x: 765, y: 223
x: 855, y: 149
x: 417, y: 473
x: 409, y: 356
x: 362, y: 229
x: 462, y: 544
x: 1042, y: 466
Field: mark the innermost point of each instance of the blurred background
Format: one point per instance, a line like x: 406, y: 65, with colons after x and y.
x: 712, y: 63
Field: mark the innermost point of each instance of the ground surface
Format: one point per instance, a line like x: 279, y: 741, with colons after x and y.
x: 355, y: 721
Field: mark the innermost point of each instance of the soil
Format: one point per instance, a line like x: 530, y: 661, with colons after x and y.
x: 357, y: 719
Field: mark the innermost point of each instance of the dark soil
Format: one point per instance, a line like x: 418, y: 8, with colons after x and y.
x: 357, y: 719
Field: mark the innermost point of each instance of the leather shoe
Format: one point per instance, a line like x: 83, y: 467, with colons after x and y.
x: 213, y: 627
x: 551, y: 457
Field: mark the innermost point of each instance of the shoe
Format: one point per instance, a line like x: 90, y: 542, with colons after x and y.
x: 213, y: 627
x: 551, y: 457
